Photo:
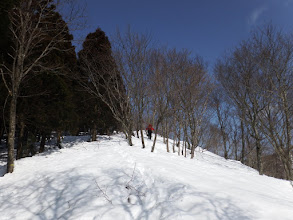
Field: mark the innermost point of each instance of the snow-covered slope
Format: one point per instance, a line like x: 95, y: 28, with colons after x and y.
x: 108, y: 179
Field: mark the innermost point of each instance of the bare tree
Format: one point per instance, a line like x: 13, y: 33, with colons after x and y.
x: 180, y: 93
x: 196, y: 89
x: 223, y: 113
x: 131, y: 52
x: 275, y: 51
x: 235, y: 137
x: 165, y: 66
x: 211, y: 138
x: 36, y: 30
x: 239, y: 76
x: 258, y: 77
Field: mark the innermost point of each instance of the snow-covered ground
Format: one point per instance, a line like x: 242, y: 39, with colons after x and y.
x: 108, y: 179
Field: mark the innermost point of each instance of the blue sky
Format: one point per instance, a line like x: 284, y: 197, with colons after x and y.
x: 206, y: 27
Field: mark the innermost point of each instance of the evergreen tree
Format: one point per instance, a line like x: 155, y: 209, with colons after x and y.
x: 51, y: 108
x: 5, y: 44
x: 36, y: 30
x: 94, y: 59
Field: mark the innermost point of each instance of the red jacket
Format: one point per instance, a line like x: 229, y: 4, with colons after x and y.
x: 150, y: 128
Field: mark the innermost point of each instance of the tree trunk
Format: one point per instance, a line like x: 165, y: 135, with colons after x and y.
x: 142, y: 138
x: 192, y: 151
x: 288, y: 169
x: 288, y: 134
x: 178, y: 137
x: 243, y: 142
x: 42, y: 143
x: 11, y: 134
x: 286, y: 161
x: 225, y: 145
x: 235, y: 149
x: 129, y: 136
x: 178, y: 147
x: 155, y: 139
x: 222, y: 131
x: 24, y: 152
x: 173, y: 146
x: 20, y: 142
x: 167, y: 144
x: 154, y: 142
x: 249, y: 150
x: 258, y: 157
x: 167, y: 137
x: 225, y: 151
x: 194, y: 145
x: 59, y: 139
x: 141, y: 132
x: 1, y: 132
x: 94, y: 133
x: 258, y: 151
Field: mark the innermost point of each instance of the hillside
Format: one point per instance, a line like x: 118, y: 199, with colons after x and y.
x: 108, y: 179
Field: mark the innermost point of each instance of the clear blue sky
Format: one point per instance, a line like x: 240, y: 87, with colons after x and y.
x: 206, y: 27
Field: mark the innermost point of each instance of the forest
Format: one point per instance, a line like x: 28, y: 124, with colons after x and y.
x: 241, y: 108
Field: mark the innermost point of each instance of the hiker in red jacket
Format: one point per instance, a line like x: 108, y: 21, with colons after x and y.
x: 150, y: 130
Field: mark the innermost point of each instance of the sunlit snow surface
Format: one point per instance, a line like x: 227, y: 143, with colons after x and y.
x: 108, y: 179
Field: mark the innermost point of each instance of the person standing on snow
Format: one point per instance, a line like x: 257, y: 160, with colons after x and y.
x: 150, y: 130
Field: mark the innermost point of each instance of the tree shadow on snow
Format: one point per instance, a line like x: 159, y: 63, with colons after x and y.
x: 156, y: 198
x: 116, y: 194
x: 51, y: 197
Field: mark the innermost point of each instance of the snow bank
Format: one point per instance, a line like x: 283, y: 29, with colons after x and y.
x: 108, y: 179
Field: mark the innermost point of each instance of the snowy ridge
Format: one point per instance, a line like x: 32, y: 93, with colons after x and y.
x: 108, y: 179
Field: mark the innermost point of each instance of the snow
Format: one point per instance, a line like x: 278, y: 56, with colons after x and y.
x: 108, y: 179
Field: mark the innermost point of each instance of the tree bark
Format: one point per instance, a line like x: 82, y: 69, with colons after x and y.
x: 154, y: 143
x: 42, y: 143
x: 173, y: 145
x: 129, y: 136
x: 141, y: 131
x: 156, y: 132
x: 167, y: 144
x: 142, y: 138
x: 288, y: 126
x: 11, y: 134
x: 192, y: 151
x: 243, y: 142
x: 1, y: 132
x: 59, y: 139
x: 258, y: 150
x: 167, y: 137
x: 20, y: 142
x: 258, y: 157
x: 194, y: 145
x: 94, y: 133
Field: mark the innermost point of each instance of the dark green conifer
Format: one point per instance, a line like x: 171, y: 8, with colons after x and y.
x: 95, y: 58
